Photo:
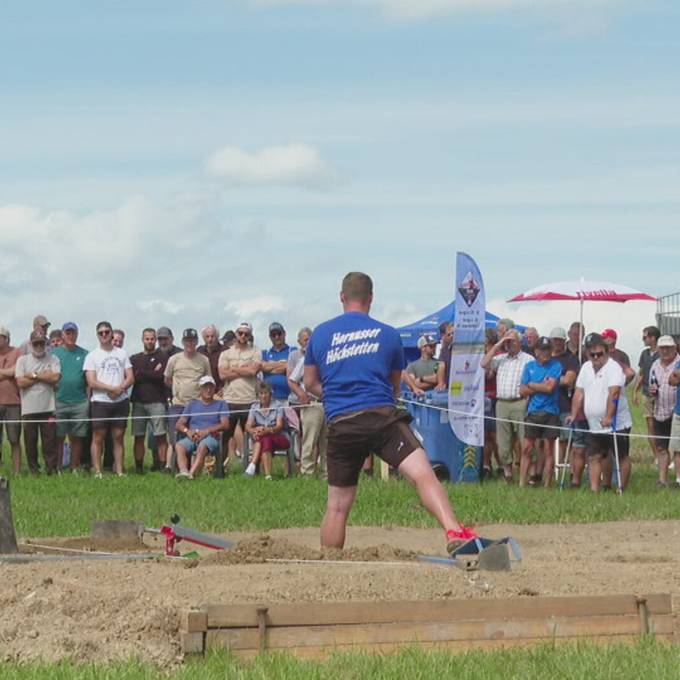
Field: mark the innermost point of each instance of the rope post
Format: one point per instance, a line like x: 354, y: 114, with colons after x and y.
x: 8, y: 538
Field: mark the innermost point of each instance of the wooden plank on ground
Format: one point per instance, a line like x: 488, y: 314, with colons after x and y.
x: 305, y: 614
x: 192, y: 643
x: 193, y: 621
x: 413, y: 633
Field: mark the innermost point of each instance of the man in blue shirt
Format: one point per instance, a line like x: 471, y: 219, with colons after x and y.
x: 540, y: 383
x: 275, y: 363
x: 354, y: 364
x: 201, y: 423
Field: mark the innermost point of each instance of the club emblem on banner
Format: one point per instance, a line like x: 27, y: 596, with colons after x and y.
x: 469, y: 289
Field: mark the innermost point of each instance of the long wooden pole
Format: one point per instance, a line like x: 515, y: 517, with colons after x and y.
x: 8, y: 538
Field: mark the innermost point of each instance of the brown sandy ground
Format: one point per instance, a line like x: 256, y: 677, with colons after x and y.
x: 91, y: 610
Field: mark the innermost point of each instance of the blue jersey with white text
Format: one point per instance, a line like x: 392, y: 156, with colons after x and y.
x: 355, y: 356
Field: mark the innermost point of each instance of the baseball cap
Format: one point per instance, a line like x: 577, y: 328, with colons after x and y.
x: 558, y: 333
x: 4, y: 331
x: 427, y: 339
x: 593, y: 339
x: 164, y: 332
x: 664, y: 341
x: 70, y: 326
x: 276, y: 326
x: 609, y: 333
x: 543, y: 343
x: 41, y: 320
x: 190, y: 334
x: 245, y: 326
x: 37, y: 336
x: 206, y: 380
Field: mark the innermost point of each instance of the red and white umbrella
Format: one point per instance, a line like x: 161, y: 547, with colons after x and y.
x: 593, y: 291
x: 582, y: 291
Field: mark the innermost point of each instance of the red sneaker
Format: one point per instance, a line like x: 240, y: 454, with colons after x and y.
x: 457, y: 538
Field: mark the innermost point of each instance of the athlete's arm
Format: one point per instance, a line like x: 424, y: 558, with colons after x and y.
x: 312, y: 380
x: 395, y: 379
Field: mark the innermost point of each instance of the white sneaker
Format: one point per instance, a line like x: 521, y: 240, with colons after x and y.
x: 98, y: 475
x: 183, y: 475
x: 250, y: 470
x: 269, y: 477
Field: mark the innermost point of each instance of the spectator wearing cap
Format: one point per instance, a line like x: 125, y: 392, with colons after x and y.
x: 421, y: 374
x: 599, y: 386
x: 275, y: 363
x: 529, y: 341
x: 228, y: 339
x: 40, y: 323
x: 540, y: 386
x: 212, y: 348
x: 265, y: 425
x: 37, y: 375
x: 610, y: 336
x: 199, y: 426
x: 109, y: 375
x: 506, y: 361
x: 73, y: 406
x: 148, y: 399
x: 239, y: 366
x: 183, y: 373
x: 166, y: 341
x: 674, y: 444
x: 10, y: 399
x: 56, y: 338
x: 664, y: 401
x: 570, y: 367
x: 312, y: 416
x: 650, y: 337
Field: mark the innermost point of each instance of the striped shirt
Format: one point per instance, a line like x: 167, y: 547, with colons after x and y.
x: 508, y: 371
x: 664, y: 403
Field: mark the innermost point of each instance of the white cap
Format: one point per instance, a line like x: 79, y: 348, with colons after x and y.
x: 206, y: 380
x: 558, y: 333
x: 666, y: 341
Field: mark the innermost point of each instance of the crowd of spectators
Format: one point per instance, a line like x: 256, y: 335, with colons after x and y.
x: 567, y: 387
x: 189, y: 404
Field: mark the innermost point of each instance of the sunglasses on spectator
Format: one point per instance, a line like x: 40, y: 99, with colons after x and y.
x: 38, y: 343
x: 243, y: 334
x: 105, y: 331
x: 596, y: 355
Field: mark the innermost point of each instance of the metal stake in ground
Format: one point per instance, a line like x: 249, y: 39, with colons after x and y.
x: 8, y: 538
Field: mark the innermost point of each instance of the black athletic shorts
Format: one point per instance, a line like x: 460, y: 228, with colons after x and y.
x: 535, y: 425
x: 601, y: 445
x: 662, y: 429
x: 103, y: 410
x: 352, y: 437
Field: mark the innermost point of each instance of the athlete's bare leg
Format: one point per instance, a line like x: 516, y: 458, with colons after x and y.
x: 338, y: 506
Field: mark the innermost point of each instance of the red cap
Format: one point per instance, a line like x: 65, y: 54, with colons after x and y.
x: 609, y: 333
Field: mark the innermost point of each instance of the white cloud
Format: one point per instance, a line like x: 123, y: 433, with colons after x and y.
x: 297, y: 165
x: 162, y: 306
x: 247, y: 308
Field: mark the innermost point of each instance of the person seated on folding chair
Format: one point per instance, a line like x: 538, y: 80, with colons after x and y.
x: 265, y: 425
x: 201, y: 423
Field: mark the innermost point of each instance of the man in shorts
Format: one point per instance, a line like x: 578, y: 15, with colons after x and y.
x: 73, y: 406
x: 200, y: 425
x: 540, y: 385
x: 109, y: 375
x: 598, y: 389
x: 10, y: 399
x: 354, y: 364
x: 664, y: 401
x: 148, y: 399
x: 650, y: 336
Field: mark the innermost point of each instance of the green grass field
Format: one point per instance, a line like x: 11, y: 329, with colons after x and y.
x: 568, y: 662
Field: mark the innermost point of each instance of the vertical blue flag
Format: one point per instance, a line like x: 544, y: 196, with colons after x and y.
x: 466, y: 384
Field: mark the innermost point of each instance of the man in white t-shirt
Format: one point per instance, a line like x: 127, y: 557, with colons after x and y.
x: 599, y: 391
x: 109, y: 375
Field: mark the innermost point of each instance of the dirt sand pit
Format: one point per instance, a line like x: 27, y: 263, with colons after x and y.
x: 111, y: 610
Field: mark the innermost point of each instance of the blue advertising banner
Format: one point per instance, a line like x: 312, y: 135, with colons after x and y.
x: 466, y: 385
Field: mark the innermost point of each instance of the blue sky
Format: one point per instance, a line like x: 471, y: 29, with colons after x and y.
x: 185, y: 163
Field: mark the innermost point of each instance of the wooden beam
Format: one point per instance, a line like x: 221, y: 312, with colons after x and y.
x: 345, y: 613
x: 193, y: 621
